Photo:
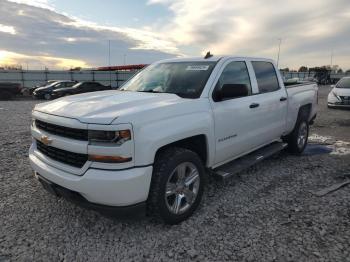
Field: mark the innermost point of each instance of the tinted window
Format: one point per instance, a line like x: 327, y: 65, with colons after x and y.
x: 235, y: 73
x: 59, y: 85
x: 266, y: 76
x: 344, y: 83
x: 69, y: 84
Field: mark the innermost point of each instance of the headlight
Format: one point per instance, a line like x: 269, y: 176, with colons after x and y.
x: 111, y: 137
x: 335, y: 95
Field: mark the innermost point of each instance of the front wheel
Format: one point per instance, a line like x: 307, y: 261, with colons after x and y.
x: 297, y: 140
x: 177, y: 185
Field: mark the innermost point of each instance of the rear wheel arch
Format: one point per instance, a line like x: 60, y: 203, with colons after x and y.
x: 301, y: 128
x: 304, y: 111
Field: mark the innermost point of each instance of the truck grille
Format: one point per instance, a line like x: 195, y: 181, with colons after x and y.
x: 73, y: 133
x: 69, y: 158
x: 345, y: 100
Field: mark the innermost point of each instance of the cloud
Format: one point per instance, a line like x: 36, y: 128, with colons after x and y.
x: 7, y: 29
x: 309, y: 30
x: 41, y: 61
x: 34, y: 31
x: 38, y: 3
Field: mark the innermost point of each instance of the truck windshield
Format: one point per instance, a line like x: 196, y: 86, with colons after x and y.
x: 344, y: 83
x: 185, y: 79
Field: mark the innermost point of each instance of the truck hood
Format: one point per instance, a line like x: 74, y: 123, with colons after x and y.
x: 105, y: 106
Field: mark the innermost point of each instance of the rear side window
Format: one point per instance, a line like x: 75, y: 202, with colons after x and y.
x: 266, y: 76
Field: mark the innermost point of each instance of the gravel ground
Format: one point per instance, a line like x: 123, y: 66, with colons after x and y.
x: 267, y: 213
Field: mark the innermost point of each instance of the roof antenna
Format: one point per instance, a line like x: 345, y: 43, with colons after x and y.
x: 208, y: 55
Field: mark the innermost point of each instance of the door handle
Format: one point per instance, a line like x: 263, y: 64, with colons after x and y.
x: 283, y: 98
x: 254, y: 105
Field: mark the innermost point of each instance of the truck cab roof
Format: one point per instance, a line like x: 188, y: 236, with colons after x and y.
x: 213, y: 58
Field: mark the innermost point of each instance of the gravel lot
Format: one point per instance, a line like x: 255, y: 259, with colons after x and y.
x: 267, y: 213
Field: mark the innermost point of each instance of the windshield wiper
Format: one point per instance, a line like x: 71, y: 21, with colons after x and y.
x: 150, y: 91
x: 159, y: 92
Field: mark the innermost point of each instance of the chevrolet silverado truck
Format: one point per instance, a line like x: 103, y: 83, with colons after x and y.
x: 152, y: 144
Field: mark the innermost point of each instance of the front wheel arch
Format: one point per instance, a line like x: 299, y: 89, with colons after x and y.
x: 166, y: 161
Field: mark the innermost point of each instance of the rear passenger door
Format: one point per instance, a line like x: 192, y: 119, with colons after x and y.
x: 94, y: 87
x: 272, y: 103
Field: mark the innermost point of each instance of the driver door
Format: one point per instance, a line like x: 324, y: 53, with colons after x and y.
x: 235, y: 119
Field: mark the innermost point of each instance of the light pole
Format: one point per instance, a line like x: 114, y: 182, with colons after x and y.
x: 279, y: 51
x: 109, y: 62
x: 331, y: 59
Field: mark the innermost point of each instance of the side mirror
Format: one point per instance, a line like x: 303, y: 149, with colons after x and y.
x: 229, y: 91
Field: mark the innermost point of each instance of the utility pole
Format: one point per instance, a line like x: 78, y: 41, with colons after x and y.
x: 331, y: 59
x: 109, y: 53
x: 109, y: 62
x: 279, y: 51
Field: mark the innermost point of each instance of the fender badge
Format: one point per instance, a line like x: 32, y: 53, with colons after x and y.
x: 45, y: 140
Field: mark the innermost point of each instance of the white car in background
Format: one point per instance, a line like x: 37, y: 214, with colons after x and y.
x: 340, y: 94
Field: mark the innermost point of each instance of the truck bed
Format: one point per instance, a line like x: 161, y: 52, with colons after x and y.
x: 300, y: 94
x: 296, y: 84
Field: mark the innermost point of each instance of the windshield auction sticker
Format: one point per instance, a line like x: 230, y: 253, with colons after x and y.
x: 197, y: 67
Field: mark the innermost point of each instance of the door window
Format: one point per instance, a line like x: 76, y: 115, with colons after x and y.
x: 69, y: 84
x: 235, y: 73
x: 266, y: 76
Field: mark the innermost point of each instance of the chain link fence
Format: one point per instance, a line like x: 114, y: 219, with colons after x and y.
x: 29, y: 78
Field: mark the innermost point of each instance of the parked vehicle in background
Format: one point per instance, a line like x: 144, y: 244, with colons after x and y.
x: 29, y: 90
x: 153, y: 144
x: 339, y: 96
x: 46, y: 91
x: 9, y: 90
x: 81, y: 87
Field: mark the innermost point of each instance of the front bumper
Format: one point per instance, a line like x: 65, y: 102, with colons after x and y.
x: 339, y: 105
x: 117, y: 188
x: 78, y: 199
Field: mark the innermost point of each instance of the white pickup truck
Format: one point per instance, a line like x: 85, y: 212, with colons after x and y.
x: 152, y: 144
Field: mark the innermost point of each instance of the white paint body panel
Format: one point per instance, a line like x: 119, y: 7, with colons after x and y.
x: 156, y: 120
x: 106, y: 187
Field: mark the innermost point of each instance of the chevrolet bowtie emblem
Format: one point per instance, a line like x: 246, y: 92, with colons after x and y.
x: 45, y: 140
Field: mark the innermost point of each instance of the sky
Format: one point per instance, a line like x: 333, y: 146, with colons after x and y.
x: 60, y: 34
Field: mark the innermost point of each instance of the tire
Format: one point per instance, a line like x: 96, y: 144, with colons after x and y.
x: 297, y: 140
x: 177, y: 203
x: 47, y: 96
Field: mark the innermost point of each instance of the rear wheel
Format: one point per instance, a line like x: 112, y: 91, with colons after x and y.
x: 297, y: 140
x: 177, y: 185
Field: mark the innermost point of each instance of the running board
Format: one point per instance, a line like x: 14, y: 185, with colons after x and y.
x: 227, y: 170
